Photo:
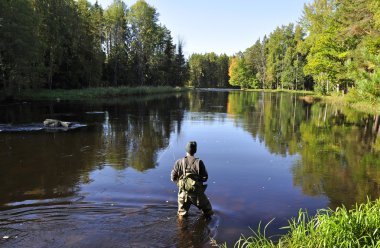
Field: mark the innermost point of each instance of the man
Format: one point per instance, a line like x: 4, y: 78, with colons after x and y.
x: 191, y: 167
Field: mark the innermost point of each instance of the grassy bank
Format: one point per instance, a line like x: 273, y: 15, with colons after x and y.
x: 282, y: 90
x: 359, y: 227
x: 350, y: 100
x: 94, y: 93
x: 369, y: 107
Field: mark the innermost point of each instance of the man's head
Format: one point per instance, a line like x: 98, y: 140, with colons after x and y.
x: 191, y: 147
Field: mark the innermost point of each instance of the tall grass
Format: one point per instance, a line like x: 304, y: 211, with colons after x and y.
x: 90, y: 93
x: 358, y: 227
x: 282, y: 90
x: 352, y: 100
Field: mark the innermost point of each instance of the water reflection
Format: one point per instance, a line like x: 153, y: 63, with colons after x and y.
x: 40, y: 165
x: 339, y: 156
x: 195, y: 232
x: 135, y: 132
x: 48, y: 165
x: 273, y: 118
x: 338, y: 147
x: 267, y: 154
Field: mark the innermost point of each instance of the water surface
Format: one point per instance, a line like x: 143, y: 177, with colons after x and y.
x: 107, y: 183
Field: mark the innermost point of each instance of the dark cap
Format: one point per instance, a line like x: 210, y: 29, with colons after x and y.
x: 191, y: 147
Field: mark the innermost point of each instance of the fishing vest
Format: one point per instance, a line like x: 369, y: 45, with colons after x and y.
x: 189, y: 181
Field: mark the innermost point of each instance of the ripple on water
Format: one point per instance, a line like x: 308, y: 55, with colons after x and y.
x: 86, y: 224
x: 7, y: 128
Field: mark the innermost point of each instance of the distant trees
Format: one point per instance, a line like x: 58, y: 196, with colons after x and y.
x: 326, y: 52
x: 343, y: 45
x: 19, y: 47
x: 240, y: 73
x: 75, y: 44
x: 208, y: 70
x: 334, y: 47
x: 274, y: 62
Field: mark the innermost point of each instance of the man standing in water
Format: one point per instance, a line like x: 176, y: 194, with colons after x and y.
x: 189, y: 173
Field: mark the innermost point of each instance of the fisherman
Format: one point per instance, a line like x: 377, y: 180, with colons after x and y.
x: 190, y: 173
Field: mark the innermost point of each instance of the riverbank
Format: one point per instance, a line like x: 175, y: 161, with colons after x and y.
x: 341, y: 100
x: 110, y: 92
x: 359, y: 227
x: 94, y: 93
x: 358, y: 105
x: 282, y: 90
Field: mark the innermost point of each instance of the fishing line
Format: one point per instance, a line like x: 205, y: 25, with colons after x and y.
x: 168, y: 149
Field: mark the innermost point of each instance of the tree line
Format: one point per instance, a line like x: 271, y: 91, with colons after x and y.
x: 75, y: 44
x: 334, y: 47
x: 208, y: 70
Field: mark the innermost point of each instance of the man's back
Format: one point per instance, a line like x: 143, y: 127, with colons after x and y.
x: 192, y: 165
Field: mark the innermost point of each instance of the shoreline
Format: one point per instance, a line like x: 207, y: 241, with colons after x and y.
x: 95, y: 93
x: 110, y: 92
x: 344, y: 101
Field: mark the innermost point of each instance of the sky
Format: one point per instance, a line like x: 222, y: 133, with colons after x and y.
x: 221, y: 26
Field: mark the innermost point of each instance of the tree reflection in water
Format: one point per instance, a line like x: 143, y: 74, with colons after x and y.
x: 318, y: 150
x: 339, y: 148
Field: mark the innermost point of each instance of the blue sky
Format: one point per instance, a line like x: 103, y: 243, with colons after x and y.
x: 222, y: 26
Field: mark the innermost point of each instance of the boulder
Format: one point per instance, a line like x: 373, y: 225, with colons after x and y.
x: 65, y: 124
x: 56, y: 123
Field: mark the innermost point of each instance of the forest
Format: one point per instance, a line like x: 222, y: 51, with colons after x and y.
x: 72, y: 44
x: 334, y: 47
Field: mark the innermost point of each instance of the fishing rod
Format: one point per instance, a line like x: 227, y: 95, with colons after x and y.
x: 169, y: 148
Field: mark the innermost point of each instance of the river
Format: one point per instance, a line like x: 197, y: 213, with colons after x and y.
x: 107, y: 182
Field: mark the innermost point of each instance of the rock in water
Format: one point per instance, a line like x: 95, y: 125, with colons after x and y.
x: 65, y: 124
x: 51, y: 123
x: 56, y: 123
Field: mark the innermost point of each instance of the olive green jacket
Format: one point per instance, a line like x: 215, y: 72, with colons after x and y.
x: 193, y: 165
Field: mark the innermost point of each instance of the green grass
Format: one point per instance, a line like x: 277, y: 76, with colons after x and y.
x: 358, y: 227
x: 283, y: 90
x: 94, y: 93
x: 369, y: 107
x: 351, y: 100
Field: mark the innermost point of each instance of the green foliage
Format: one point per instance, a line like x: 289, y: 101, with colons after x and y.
x: 338, y: 32
x: 115, y: 31
x: 19, y: 47
x: 368, y: 78
x: 275, y: 62
x: 358, y: 227
x: 241, y: 75
x: 326, y: 55
x: 181, y: 73
x: 73, y: 44
x: 279, y: 42
x: 255, y: 60
x: 208, y: 70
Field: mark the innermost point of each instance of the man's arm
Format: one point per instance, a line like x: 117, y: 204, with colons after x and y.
x: 174, y: 175
x: 202, y: 171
